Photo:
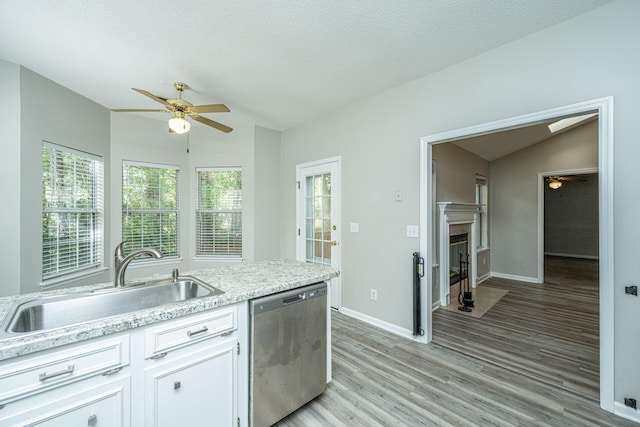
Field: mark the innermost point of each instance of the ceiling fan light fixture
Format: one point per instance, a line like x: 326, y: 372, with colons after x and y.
x: 554, y: 183
x: 179, y: 125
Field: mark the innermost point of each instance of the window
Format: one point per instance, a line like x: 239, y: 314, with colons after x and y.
x: 482, y: 238
x: 150, y: 207
x: 219, y: 212
x: 72, y: 211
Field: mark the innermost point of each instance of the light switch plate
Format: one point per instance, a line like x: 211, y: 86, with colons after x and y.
x: 353, y: 227
x: 412, y: 230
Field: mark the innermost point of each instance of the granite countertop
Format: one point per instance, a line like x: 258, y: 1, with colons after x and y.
x: 240, y: 282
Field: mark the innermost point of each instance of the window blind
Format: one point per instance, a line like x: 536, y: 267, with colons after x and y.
x: 219, y: 212
x: 72, y: 210
x: 150, y: 210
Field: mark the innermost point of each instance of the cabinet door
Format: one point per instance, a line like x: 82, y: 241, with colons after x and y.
x: 81, y: 404
x: 193, y: 390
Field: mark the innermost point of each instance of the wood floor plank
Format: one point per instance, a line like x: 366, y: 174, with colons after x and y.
x: 531, y: 360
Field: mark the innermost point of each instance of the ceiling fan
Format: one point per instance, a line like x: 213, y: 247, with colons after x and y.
x: 181, y: 109
x: 555, y: 182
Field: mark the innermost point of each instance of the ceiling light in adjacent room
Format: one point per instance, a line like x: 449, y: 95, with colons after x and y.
x: 554, y: 183
x: 178, y: 124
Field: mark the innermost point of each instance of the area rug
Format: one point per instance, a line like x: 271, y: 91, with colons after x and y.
x: 484, y: 298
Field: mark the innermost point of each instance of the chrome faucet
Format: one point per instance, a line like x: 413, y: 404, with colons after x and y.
x: 121, y: 262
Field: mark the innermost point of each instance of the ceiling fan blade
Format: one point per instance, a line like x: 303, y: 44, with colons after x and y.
x: 211, y: 123
x: 212, y: 108
x: 162, y: 101
x: 129, y: 110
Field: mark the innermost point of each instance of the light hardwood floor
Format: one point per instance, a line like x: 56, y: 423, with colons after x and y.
x: 532, y: 360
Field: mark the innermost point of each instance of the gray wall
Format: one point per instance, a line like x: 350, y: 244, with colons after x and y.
x: 147, y: 140
x: 514, y: 196
x: 571, y: 218
x: 10, y: 108
x: 456, y: 171
x: 267, y: 194
x: 589, y: 57
x: 53, y: 113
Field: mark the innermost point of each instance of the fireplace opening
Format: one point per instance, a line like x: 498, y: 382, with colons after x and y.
x: 458, y: 258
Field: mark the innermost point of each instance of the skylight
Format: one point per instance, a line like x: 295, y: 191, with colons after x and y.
x: 569, y: 121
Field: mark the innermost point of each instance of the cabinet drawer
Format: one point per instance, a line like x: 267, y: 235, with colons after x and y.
x: 25, y: 377
x: 171, y: 335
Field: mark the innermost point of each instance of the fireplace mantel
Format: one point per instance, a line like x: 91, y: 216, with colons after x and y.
x: 452, y: 214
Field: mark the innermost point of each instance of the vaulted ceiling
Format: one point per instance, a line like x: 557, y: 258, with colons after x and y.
x: 276, y: 63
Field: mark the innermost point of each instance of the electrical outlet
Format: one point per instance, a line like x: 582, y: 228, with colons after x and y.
x: 374, y: 295
x: 631, y: 403
x: 412, y: 231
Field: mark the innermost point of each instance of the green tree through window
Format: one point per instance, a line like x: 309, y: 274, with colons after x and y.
x: 219, y: 212
x: 72, y: 211
x: 150, y: 207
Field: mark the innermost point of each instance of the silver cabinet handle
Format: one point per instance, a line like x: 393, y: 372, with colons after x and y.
x: 93, y: 420
x: 112, y: 371
x: 44, y: 376
x: 201, y: 331
x: 158, y: 356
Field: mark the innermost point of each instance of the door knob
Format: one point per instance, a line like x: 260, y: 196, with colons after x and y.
x: 334, y: 243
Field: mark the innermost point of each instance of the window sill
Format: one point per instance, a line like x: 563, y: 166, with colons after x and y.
x: 64, y: 280
x: 218, y: 259
x: 154, y: 262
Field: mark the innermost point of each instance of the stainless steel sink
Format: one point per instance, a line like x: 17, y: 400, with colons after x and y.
x: 74, y: 308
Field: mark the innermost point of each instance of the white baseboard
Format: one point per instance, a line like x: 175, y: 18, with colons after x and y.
x: 626, y: 412
x: 514, y: 277
x: 483, y: 278
x: 389, y: 327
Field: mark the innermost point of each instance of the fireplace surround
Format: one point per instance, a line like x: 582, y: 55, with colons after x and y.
x: 456, y: 219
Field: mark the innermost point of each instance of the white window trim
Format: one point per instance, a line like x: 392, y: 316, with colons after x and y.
x: 99, y: 267
x: 220, y: 258
x: 170, y: 259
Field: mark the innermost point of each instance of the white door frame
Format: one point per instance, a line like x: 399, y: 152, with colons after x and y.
x: 336, y: 215
x: 541, y: 219
x: 604, y: 108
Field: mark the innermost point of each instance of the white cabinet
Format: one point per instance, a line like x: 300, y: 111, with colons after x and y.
x: 197, y: 389
x: 185, y: 371
x: 191, y: 370
x: 88, y: 403
x: 77, y: 385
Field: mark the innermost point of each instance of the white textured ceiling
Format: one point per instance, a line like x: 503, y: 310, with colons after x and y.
x: 278, y: 62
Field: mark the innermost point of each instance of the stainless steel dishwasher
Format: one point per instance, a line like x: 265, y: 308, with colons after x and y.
x: 288, y: 365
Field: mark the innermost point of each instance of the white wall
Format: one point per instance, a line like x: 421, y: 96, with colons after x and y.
x: 10, y: 108
x: 53, y: 113
x: 589, y: 57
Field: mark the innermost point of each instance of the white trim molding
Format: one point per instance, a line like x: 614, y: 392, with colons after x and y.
x: 389, y: 327
x: 604, y: 108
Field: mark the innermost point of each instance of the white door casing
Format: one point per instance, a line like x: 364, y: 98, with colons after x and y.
x: 604, y: 108
x: 318, y: 219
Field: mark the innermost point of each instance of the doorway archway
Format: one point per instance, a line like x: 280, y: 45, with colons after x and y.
x: 604, y: 108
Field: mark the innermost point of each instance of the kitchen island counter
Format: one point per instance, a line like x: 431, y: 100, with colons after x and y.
x: 240, y: 282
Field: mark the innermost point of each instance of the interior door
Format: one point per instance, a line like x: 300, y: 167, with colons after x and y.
x: 318, y: 218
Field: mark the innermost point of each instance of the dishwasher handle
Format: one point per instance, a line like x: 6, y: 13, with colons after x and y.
x: 293, y: 299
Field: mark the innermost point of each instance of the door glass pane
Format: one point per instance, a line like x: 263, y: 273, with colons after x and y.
x: 309, y: 228
x: 318, y: 218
